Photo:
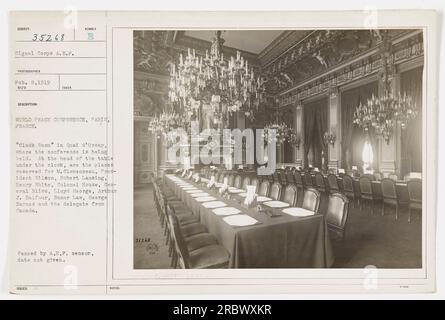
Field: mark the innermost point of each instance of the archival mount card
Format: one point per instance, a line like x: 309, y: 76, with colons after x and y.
x: 119, y: 120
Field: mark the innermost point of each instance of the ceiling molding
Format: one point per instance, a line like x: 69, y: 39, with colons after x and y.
x: 285, y: 41
x: 179, y: 41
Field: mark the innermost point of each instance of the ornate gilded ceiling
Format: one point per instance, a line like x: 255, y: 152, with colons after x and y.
x: 285, y: 63
x: 253, y: 41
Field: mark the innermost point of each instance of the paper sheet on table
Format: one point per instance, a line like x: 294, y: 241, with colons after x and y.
x: 240, y: 220
x: 199, y: 194
x: 214, y: 204
x: 298, y: 212
x: 194, y: 191
x: 205, y: 199
x: 226, y: 211
x: 262, y: 199
x: 276, y: 204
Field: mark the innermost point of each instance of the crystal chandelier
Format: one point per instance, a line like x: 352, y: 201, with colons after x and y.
x: 214, y: 84
x: 283, y: 133
x: 382, y: 113
x: 167, y: 124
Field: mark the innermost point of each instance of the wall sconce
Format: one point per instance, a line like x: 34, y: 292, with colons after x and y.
x: 329, y: 138
x: 295, y: 140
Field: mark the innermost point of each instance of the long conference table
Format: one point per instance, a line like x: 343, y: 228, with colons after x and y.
x: 282, y: 241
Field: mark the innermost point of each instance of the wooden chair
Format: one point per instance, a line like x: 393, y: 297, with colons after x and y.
x: 337, y: 214
x: 275, y: 191
x: 348, y: 188
x: 333, y: 183
x: 231, y: 180
x: 246, y: 182
x: 320, y: 184
x: 415, y: 196
x: 206, y: 257
x: 264, y: 188
x: 156, y: 197
x: 366, y: 194
x: 389, y: 195
x: 307, y: 179
x: 254, y: 182
x: 311, y: 200
x: 283, y: 177
x: 159, y: 206
x: 298, y: 179
x: 238, y: 182
x: 194, y: 241
x: 276, y: 177
x: 290, y: 176
x: 290, y: 195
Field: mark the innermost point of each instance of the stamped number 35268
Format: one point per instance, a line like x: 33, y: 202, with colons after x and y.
x: 47, y: 37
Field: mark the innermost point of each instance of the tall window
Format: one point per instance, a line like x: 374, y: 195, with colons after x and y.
x: 367, y: 157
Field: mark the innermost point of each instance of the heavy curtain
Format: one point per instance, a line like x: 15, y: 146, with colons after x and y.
x: 315, y: 125
x: 411, y: 144
x: 288, y: 148
x: 353, y: 137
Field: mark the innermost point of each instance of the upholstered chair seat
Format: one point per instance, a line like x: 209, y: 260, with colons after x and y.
x: 187, y: 218
x: 231, y: 180
x: 337, y: 213
x: 214, y: 256
x: 275, y: 177
x: 254, y: 182
x: 275, y: 191
x: 311, y: 200
x: 307, y: 179
x: 237, y: 182
x: 298, y: 179
x: 200, y: 240
x: 264, y: 188
x: 290, y: 176
x: 320, y: 184
x: 283, y: 178
x: 193, y: 251
x: 415, y: 196
x: 389, y: 194
x: 290, y: 195
x: 366, y: 191
x: 246, y: 182
x: 193, y: 229
x: 333, y: 183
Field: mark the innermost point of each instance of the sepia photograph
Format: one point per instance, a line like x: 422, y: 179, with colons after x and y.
x: 261, y: 149
x: 224, y: 153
